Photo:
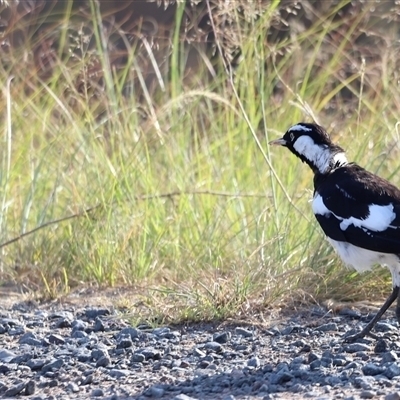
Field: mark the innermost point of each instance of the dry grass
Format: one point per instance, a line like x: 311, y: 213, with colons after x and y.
x: 152, y: 134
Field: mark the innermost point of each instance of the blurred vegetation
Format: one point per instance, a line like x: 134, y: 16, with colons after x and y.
x: 142, y: 120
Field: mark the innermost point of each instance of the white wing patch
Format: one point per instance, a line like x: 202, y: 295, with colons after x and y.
x: 318, y: 205
x: 379, y: 217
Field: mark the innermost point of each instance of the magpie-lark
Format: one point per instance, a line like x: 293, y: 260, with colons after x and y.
x: 358, y: 211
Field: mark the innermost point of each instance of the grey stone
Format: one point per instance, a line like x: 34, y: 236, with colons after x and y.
x: 392, y: 371
x: 93, y: 313
x: 61, y: 314
x: 154, y: 391
x: 31, y: 339
x: 287, y: 331
x: 183, y: 397
x: 367, y: 394
x: 161, y: 331
x: 198, y: 353
x: 355, y: 347
x: 36, y: 363
x: 222, y: 337
x: 132, y: 332
x: 364, y: 382
x: 73, y: 387
x: 53, y: 383
x: 99, y: 325
x: 372, y: 369
x: 327, y: 327
x: 312, y: 357
x: 6, y: 355
x: 83, y: 355
x: 389, y: 356
x: 214, y: 347
x: 78, y: 325
x: 103, y: 361
x: 78, y: 334
x: 316, y: 364
x: 340, y: 361
x: 63, y: 323
x: 30, y: 388
x: 98, y: 353
x: 53, y: 365
x: 204, y: 364
x: 97, y: 392
x: 243, y: 332
x: 124, y: 341
x: 138, y: 357
x: 150, y: 353
x: 382, y: 326
x: 298, y: 388
x: 118, y: 373
x: 56, y: 339
x: 381, y: 346
x: 15, y: 389
x: 392, y: 396
x: 254, y: 362
x: 281, y: 377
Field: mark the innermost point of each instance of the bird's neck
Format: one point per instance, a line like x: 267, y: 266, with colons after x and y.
x: 326, y: 160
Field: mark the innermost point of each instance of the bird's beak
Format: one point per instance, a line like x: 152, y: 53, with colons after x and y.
x: 278, y: 142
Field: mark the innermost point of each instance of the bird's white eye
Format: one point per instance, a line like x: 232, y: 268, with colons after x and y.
x: 291, y: 136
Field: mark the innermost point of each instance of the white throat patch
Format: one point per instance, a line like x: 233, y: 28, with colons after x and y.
x: 319, y: 155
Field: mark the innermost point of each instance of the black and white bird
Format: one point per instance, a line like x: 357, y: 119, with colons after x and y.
x: 358, y: 211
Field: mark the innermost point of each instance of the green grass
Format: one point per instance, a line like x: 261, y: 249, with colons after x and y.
x: 188, y: 211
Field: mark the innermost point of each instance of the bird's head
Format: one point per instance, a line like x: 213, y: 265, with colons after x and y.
x: 312, y: 144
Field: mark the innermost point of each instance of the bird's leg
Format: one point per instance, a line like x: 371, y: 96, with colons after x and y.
x: 398, y: 308
x: 366, y: 331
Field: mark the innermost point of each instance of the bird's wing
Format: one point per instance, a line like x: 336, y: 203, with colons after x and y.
x: 365, y: 215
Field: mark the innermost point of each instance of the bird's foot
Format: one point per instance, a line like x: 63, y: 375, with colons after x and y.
x: 359, y: 335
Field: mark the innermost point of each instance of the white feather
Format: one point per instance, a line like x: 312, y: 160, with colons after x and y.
x: 299, y: 128
x: 379, y: 217
x: 318, y: 206
x: 319, y: 155
x: 340, y: 158
x: 362, y: 259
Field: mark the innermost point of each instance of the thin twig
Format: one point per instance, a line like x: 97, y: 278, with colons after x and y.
x: 206, y: 192
x: 46, y: 224
x: 142, y: 197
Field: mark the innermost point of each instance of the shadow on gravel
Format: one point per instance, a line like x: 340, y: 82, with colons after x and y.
x: 304, y: 357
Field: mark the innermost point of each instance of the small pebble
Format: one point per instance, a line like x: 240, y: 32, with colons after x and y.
x: 393, y: 396
x: 15, y: 389
x: 103, y: 361
x: 367, y: 394
x: 243, y: 332
x: 214, y: 347
x: 299, y: 359
x: 327, y: 327
x: 222, y: 337
x: 30, y: 388
x: 97, y: 393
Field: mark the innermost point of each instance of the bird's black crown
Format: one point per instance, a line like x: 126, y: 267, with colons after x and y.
x: 316, y: 132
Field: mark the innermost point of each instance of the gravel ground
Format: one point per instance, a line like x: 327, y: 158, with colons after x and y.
x: 68, y: 352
